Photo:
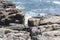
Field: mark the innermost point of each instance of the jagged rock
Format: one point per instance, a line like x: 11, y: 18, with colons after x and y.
x: 7, y: 4
x: 4, y: 31
x: 13, y: 10
x: 8, y: 34
x: 35, y: 31
x: 9, y: 13
x: 15, y: 15
x: 22, y: 35
x: 45, y: 29
x: 34, y: 21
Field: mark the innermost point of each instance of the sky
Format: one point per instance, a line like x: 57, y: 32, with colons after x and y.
x: 36, y: 7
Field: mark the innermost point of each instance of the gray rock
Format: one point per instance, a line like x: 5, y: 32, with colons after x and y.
x: 39, y: 37
x: 52, y: 33
x: 45, y: 28
x: 22, y: 35
x: 15, y: 26
x: 35, y: 31
x: 51, y: 19
x: 4, y: 31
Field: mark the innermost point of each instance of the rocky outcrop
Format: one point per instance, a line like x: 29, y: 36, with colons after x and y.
x: 44, y: 20
x: 12, y: 22
x: 43, y: 27
x: 48, y: 28
x: 10, y: 14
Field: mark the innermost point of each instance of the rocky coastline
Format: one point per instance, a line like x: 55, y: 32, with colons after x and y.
x: 12, y: 24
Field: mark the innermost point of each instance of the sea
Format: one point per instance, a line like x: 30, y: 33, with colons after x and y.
x: 37, y: 7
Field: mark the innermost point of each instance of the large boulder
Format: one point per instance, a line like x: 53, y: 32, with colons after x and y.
x: 34, y: 21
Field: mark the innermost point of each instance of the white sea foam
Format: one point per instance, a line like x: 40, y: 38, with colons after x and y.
x: 56, y: 2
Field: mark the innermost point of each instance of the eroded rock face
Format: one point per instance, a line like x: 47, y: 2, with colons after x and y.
x: 10, y: 14
x: 8, y: 34
x: 22, y: 35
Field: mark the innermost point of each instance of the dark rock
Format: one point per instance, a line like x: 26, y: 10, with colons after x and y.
x: 9, y: 13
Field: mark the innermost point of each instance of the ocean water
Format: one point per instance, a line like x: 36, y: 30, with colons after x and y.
x: 36, y: 7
